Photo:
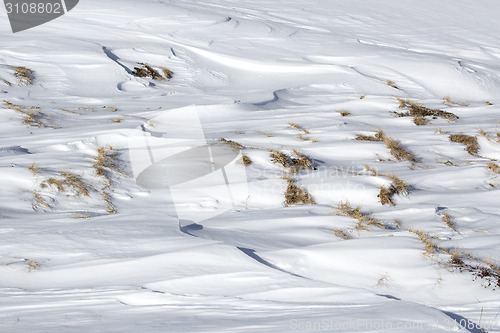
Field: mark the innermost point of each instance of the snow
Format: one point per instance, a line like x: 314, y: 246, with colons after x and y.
x: 222, y: 253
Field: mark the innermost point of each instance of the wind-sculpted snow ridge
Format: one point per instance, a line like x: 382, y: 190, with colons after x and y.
x: 222, y: 166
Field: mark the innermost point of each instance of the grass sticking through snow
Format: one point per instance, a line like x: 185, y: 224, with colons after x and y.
x: 419, y: 112
x: 233, y: 144
x: 300, y: 128
x: 246, y: 160
x: 448, y: 220
x: 397, y: 186
x: 105, y: 163
x: 364, y: 219
x: 342, y: 234
x: 470, y: 142
x: 24, y: 75
x: 493, y: 167
x: 68, y: 183
x: 395, y: 147
x: 294, y: 195
x: 449, y: 102
x: 146, y: 71
x: 32, y: 115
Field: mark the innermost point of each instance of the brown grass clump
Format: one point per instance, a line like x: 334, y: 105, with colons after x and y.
x: 34, y: 168
x: 32, y: 265
x: 111, y: 108
x: 70, y: 182
x: 32, y: 115
x: 300, y: 128
x: 167, y: 73
x: 456, y: 259
x: 295, y: 195
x: 302, y: 161
x: 493, y: 167
x: 268, y: 135
x: 420, y: 120
x: 364, y: 220
x: 105, y: 163
x: 449, y: 102
x: 397, y: 187
x: 39, y: 201
x: 147, y: 71
x: 379, y: 136
x: 470, y: 142
x: 342, y: 234
x: 392, y: 84
x: 430, y: 247
x: 24, y: 75
x: 418, y: 112
x: 233, y: 144
x: 281, y: 158
x: 246, y: 160
x: 344, y: 113
x: 399, y: 151
x: 448, y: 220
x: 110, y: 206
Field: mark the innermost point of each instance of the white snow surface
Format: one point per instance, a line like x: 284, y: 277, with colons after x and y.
x: 247, y: 68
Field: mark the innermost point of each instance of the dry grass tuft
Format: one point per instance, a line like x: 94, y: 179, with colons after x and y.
x: 281, y: 158
x: 295, y: 195
x: 111, y: 108
x: 302, y: 162
x: 233, y: 144
x: 70, y: 182
x: 430, y: 247
x: 371, y: 170
x: 302, y: 137
x: 32, y: 115
x: 493, y: 167
x: 418, y: 112
x: 39, y: 202
x: 456, y: 259
x: 379, y: 136
x: 364, y: 220
x: 147, y: 71
x: 24, y: 75
x: 344, y: 113
x: 420, y: 120
x: 118, y: 120
x: 34, y: 169
x: 246, y: 160
x: 449, y: 102
x: 448, y: 220
x: 110, y: 206
x: 105, y: 163
x: 399, y: 151
x: 342, y: 234
x: 300, y: 128
x: 392, y: 84
x: 470, y: 142
x: 268, y: 135
x: 32, y: 265
x: 167, y: 73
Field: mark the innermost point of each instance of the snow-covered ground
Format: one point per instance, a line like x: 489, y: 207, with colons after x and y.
x: 84, y: 249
